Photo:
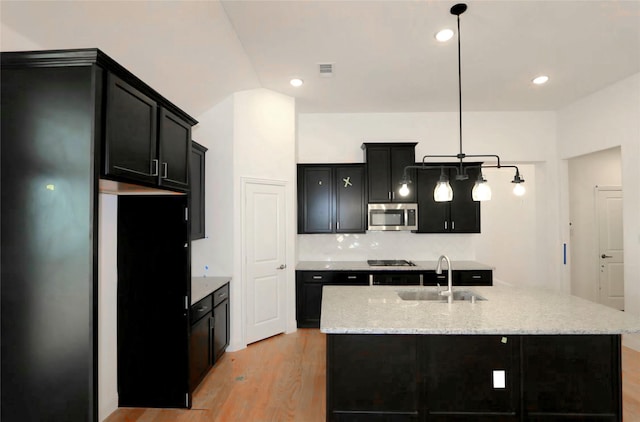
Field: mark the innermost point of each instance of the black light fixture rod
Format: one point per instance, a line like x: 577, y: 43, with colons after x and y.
x: 457, y: 10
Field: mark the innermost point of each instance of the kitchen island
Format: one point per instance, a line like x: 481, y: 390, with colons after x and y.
x: 521, y: 354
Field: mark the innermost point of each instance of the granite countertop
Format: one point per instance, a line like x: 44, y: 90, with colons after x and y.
x: 507, y: 310
x: 363, y: 266
x: 203, y: 286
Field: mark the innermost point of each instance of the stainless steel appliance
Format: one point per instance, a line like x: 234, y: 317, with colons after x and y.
x: 390, y: 263
x: 393, y: 278
x: 393, y: 217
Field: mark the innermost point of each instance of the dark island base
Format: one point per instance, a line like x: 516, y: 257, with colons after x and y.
x: 452, y: 377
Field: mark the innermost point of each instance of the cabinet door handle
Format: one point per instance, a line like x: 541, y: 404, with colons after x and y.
x: 165, y: 170
x: 445, y: 225
x: 338, y: 225
x: 389, y: 196
x: 453, y: 225
x: 154, y: 167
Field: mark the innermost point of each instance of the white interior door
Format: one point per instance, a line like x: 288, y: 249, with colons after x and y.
x: 264, y: 246
x: 610, y: 252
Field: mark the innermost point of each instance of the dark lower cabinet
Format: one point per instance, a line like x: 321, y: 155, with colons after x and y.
x: 372, y: 378
x: 473, y: 378
x: 460, y: 278
x: 309, y: 292
x: 459, y: 377
x: 221, y: 321
x: 571, y: 377
x: 200, y: 344
x: 209, y: 334
x: 309, y: 286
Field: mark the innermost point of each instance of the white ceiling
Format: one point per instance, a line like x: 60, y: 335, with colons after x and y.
x: 385, y: 57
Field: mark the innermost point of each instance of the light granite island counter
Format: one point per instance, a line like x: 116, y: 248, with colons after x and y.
x: 520, y: 355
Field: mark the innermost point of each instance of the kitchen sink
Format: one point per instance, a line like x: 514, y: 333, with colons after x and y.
x: 434, y: 296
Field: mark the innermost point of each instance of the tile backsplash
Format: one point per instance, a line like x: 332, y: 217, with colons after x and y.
x: 385, y: 245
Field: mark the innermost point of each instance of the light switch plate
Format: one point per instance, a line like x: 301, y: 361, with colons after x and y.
x: 499, y: 379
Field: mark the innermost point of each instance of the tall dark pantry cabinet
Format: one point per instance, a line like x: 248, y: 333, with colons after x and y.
x: 75, y: 123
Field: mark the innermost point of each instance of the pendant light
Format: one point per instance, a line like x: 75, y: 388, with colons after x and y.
x: 443, y: 191
x: 481, y: 190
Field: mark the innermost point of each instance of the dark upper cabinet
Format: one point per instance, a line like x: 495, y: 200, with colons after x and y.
x: 197, y: 191
x: 144, y: 142
x: 350, y: 203
x: 385, y: 167
x: 174, y: 140
x: 315, y: 192
x: 130, y: 133
x: 461, y: 215
x: 331, y: 198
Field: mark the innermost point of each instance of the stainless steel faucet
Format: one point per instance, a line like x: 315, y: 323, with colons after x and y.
x: 449, y: 291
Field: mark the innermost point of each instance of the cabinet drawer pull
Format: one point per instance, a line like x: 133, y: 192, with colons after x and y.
x: 154, y: 167
x: 317, y: 277
x: 352, y: 277
x: 202, y: 308
x: 441, y: 277
x: 221, y: 295
x: 476, y: 276
x: 165, y: 170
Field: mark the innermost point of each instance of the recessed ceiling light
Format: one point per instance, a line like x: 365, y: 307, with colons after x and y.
x: 444, y: 35
x: 296, y: 82
x: 540, y: 80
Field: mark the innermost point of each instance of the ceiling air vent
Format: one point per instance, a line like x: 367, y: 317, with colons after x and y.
x: 326, y: 69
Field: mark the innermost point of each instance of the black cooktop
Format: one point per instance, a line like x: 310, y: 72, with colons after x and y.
x: 390, y: 263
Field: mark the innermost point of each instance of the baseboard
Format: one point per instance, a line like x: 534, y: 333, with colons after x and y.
x: 107, y: 407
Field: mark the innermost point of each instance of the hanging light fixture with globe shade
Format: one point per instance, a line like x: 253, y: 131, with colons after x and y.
x: 443, y: 191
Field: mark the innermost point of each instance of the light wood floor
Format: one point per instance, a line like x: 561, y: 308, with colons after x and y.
x: 283, y: 379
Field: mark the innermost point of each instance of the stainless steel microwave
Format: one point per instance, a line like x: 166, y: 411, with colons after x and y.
x: 393, y: 217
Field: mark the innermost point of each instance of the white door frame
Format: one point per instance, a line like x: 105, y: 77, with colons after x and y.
x: 244, y: 181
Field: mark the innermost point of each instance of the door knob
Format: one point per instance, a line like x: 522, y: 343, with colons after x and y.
x: 281, y: 267
x: 605, y: 256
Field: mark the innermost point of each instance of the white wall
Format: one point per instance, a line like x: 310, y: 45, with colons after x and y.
x: 215, y: 131
x: 607, y: 119
x: 517, y: 233
x: 107, y: 310
x: 251, y: 134
x: 585, y: 173
x: 10, y: 40
x: 264, y: 148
